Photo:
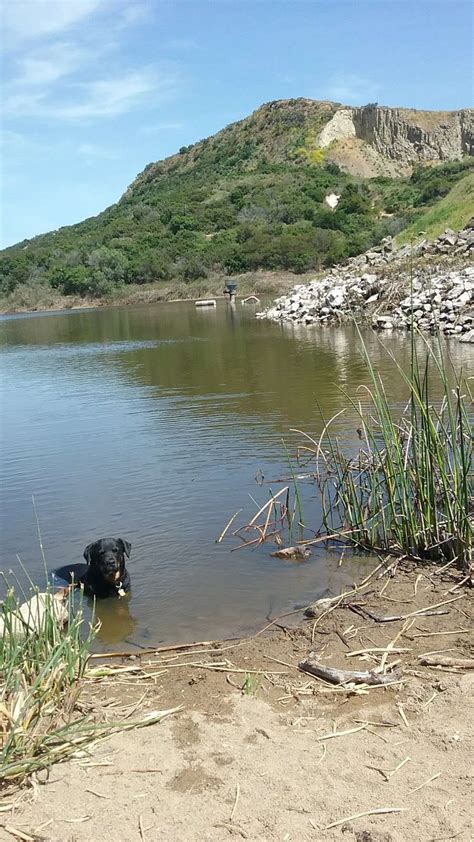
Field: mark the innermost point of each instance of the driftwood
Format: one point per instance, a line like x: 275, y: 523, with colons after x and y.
x: 364, y: 612
x: 292, y: 553
x: 335, y: 676
x: 440, y: 661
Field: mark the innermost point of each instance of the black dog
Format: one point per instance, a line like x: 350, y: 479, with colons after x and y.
x: 105, y: 573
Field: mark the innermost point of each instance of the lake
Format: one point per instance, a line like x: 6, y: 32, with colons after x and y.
x: 156, y: 423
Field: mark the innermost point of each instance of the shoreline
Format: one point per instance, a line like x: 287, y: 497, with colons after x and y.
x: 429, y: 285
x: 260, y: 749
x: 263, y: 284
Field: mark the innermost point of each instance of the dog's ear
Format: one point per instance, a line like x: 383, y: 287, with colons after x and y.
x: 126, y: 546
x: 88, y: 553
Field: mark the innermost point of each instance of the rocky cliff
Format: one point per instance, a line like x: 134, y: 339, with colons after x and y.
x: 416, y: 136
x: 403, y: 136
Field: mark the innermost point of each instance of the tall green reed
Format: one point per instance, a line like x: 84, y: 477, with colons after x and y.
x: 409, y: 489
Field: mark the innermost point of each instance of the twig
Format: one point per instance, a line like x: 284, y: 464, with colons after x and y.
x: 98, y: 794
x: 359, y: 652
x: 438, y: 661
x: 13, y: 831
x: 224, y: 531
x: 407, y: 624
x: 433, y: 778
x: 397, y: 768
x: 333, y: 734
x: 268, y: 503
x: 278, y: 661
x: 459, y: 584
x: 77, y: 821
x: 402, y: 715
x: 436, y: 634
x: 156, y: 649
x: 377, y: 812
x: 324, y: 748
x: 43, y: 825
x: 237, y: 794
x: 232, y: 828
x: 364, y: 612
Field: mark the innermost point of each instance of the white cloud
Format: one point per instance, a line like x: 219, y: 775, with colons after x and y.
x: 27, y: 19
x: 49, y: 64
x: 351, y: 89
x: 98, y: 98
x: 54, y: 76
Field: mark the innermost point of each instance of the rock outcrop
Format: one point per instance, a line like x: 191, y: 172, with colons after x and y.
x: 381, y: 287
x: 403, y: 135
x: 412, y: 136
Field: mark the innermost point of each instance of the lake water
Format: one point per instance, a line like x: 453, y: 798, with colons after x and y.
x: 156, y: 423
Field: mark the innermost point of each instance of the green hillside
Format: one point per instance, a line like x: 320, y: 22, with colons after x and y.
x: 453, y: 211
x: 250, y: 197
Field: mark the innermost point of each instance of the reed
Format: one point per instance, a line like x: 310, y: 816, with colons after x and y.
x: 44, y: 650
x: 409, y: 488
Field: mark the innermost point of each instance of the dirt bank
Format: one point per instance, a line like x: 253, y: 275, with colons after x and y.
x: 257, y: 751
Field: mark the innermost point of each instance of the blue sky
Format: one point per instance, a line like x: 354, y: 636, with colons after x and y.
x: 96, y: 89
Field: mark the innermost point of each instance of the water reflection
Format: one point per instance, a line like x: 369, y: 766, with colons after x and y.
x: 116, y: 622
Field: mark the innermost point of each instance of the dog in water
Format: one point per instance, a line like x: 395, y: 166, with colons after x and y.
x: 105, y: 573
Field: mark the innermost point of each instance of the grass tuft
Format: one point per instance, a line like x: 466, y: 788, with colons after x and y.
x: 40, y: 666
x: 409, y: 488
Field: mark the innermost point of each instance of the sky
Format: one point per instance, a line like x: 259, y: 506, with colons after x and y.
x: 93, y: 90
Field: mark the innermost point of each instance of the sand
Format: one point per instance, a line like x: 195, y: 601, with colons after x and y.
x: 250, y: 754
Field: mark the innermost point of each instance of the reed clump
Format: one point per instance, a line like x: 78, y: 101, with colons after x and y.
x: 44, y: 648
x: 409, y: 488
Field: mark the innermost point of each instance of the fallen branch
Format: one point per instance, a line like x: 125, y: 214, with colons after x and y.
x: 336, y: 676
x: 364, y: 612
x: 429, y: 611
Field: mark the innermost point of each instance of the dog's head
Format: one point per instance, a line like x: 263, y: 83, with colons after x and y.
x: 107, y: 557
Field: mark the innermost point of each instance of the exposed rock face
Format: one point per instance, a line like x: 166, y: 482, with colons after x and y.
x: 410, y: 136
x: 340, y: 126
x: 404, y: 135
x: 435, y: 298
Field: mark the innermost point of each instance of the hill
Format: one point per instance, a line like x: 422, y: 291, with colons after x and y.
x: 452, y: 211
x: 255, y: 196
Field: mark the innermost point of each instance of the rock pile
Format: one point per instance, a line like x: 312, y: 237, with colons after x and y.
x: 448, y: 243
x: 435, y: 298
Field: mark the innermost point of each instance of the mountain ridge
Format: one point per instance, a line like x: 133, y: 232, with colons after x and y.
x: 255, y: 196
x: 423, y: 135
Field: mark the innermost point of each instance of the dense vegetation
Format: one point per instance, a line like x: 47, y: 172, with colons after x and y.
x: 251, y: 197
